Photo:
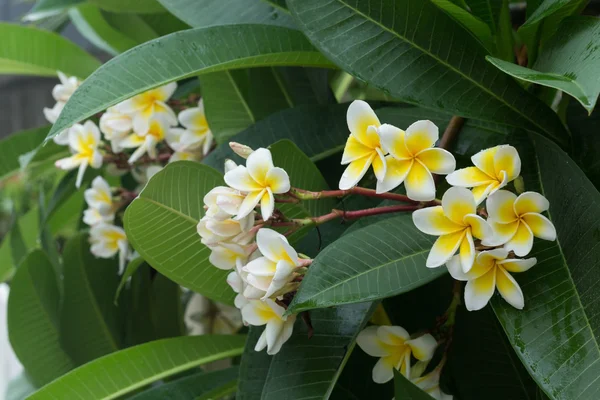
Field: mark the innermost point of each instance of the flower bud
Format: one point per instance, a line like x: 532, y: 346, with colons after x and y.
x: 240, y: 149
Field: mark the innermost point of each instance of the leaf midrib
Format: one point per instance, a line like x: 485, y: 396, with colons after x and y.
x: 449, y: 66
x: 168, y: 208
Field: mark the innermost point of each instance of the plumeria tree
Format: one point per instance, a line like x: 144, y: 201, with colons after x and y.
x: 331, y: 198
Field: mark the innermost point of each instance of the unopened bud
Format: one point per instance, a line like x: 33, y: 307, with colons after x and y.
x: 240, y: 149
x: 519, y: 185
x: 229, y: 165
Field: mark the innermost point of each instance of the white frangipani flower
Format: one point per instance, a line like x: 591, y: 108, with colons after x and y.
x: 99, y: 201
x: 225, y: 255
x: 196, y: 134
x: 63, y: 91
x: 394, y: 347
x: 223, y: 202
x: 272, y: 271
x: 363, y: 147
x: 413, y: 158
x: 83, y: 142
x: 491, y: 270
x: 430, y: 384
x: 214, y: 231
x: 494, y: 168
x: 278, y: 327
x: 260, y: 179
x: 229, y: 165
x: 238, y: 284
x: 52, y: 114
x: 108, y: 240
x: 115, y: 126
x: 157, y: 129
x: 93, y: 216
x: 516, y: 220
x: 456, y: 223
x: 181, y: 151
x: 148, y: 105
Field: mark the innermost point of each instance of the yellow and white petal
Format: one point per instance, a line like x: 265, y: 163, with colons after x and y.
x: 522, y: 242
x: 278, y: 180
x: 478, y: 292
x: 225, y: 255
x: 275, y: 246
x: 507, y: 159
x: 239, y: 178
x: 267, y: 204
x: 444, y: 248
x: 540, y: 226
x: 283, y: 275
x: 273, y: 330
x: 502, y: 233
x: 164, y: 93
x: 383, y: 371
x: 404, y: 364
x: 468, y: 177
x: 490, y: 257
x: 379, y: 165
x: 226, y: 228
x: 467, y: 252
x: 396, y: 171
x: 423, y: 347
x: 261, y: 343
x: 531, y: 202
x: 509, y: 289
x: 392, y: 335
x: 257, y: 313
x: 421, y: 135
x: 261, y: 266
x: 259, y: 283
x: 484, y: 160
x: 68, y: 163
x: 480, y: 193
x: 132, y: 141
x: 392, y: 141
x: 480, y: 228
x: 250, y: 202
x: 419, y: 183
x: 355, y: 171
x: 433, y: 221
x: 193, y: 118
x: 360, y: 117
x: 438, y: 161
x: 286, y: 333
x: 457, y: 203
x: 518, y: 265
x: 354, y: 150
x: 259, y: 163
x: 500, y: 207
x: 80, y: 173
x: 369, y: 342
x: 455, y: 269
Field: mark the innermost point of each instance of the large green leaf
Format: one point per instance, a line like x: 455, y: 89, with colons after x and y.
x: 584, y: 129
x: 120, y: 373
x: 570, y: 61
x: 133, y: 26
x: 17, y: 144
x: 221, y: 12
x: 161, y: 225
x: 477, y: 27
x: 381, y: 260
x: 33, y: 320
x: 305, y: 367
x: 234, y: 100
x: 90, y: 22
x: 130, y: 6
x: 190, y: 387
x: 184, y: 54
x: 90, y: 323
x: 487, y: 10
x: 556, y: 334
x: 31, y: 51
x: 543, y: 23
x: 415, y: 52
x: 405, y: 389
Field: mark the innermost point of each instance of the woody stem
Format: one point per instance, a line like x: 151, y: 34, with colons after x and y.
x: 308, y: 195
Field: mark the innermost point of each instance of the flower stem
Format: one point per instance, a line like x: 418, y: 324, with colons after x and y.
x: 334, y: 214
x: 308, y: 195
x: 454, y: 126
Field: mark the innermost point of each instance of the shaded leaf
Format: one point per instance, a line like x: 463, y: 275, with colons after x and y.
x: 486, y: 10
x: 130, y: 6
x: 17, y: 144
x: 127, y: 370
x: 477, y: 27
x: 185, y: 54
x: 418, y: 54
x: 130, y: 270
x: 405, y: 389
x: 32, y: 51
x: 221, y: 12
x: 584, y: 129
x: 570, y: 61
x: 33, y: 320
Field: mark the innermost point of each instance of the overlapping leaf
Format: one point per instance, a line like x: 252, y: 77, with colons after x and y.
x: 120, y: 373
x: 184, y: 54
x: 416, y: 53
x: 130, y: 6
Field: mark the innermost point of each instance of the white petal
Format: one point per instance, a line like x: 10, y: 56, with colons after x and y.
x: 509, y: 289
x: 478, y: 292
x: 275, y: 246
x: 419, y: 183
x: 421, y: 135
x: 278, y: 180
x: 267, y: 204
x: 369, y: 342
x: 360, y: 117
x: 273, y: 329
x: 383, y: 372
x: 240, y: 179
x: 355, y: 171
x: 262, y: 342
x: 423, y: 347
x: 531, y: 202
x: 259, y: 163
x: 457, y: 203
x: 433, y: 221
x: 500, y: 207
x: 249, y: 204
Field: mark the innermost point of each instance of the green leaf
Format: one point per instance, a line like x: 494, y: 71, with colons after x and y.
x: 130, y: 6
x: 222, y: 12
x: 278, y: 3
x: 234, y: 100
x: 48, y: 8
x: 33, y: 320
x: 505, y: 37
x: 185, y: 54
x: 90, y: 22
x: 133, y: 26
x: 164, y: 23
x: 418, y: 54
x: 556, y: 334
x: 486, y: 10
x: 544, y: 22
x: 381, y: 260
x: 478, y: 340
x: 305, y: 367
x: 90, y: 324
x: 161, y: 226
x: 32, y: 51
x: 167, y: 308
x: 130, y: 270
x: 570, y: 61
x: 17, y: 144
x: 120, y: 373
x: 477, y: 27
x: 406, y: 390
x: 583, y: 128
x: 191, y: 387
